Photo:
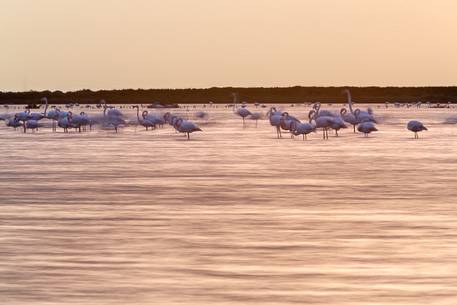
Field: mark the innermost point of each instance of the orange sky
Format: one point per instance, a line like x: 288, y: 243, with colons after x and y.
x: 74, y: 44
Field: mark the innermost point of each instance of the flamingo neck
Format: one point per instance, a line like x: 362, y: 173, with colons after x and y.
x: 349, y: 101
x: 138, y: 113
x: 46, y: 107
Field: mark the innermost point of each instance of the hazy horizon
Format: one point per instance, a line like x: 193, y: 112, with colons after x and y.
x: 72, y: 45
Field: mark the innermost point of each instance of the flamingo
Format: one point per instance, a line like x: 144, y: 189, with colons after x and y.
x: 322, y: 112
x: 366, y: 128
x: 286, y: 121
x: 415, y: 126
x: 186, y: 127
x: 337, y: 124
x: 15, y: 123
x: 86, y: 120
x: 255, y: 116
x: 349, y: 117
x: 112, y: 112
x: 114, y: 117
x: 65, y: 121
x: 80, y: 120
x: 30, y: 124
x: 155, y: 119
x: 274, y: 117
x: 142, y: 121
x: 22, y: 116
x: 364, y: 116
x: 201, y: 115
x: 324, y: 122
x: 242, y: 112
x: 361, y: 116
x: 39, y: 116
x: 302, y: 129
x: 53, y: 115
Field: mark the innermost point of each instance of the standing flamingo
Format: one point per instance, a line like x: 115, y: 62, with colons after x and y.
x: 15, y: 123
x: 113, y: 117
x: 255, y: 116
x: 337, y: 124
x: 275, y: 120
x: 65, y: 121
x: 415, y: 126
x: 349, y: 118
x: 53, y: 115
x: 242, y: 112
x: 322, y: 112
x: 366, y: 128
x: 30, y: 124
x: 142, y: 121
x: 286, y: 121
x: 324, y: 122
x: 36, y: 116
x: 302, y: 129
x: 186, y: 127
x: 361, y: 116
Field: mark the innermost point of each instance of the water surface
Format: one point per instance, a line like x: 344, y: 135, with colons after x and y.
x: 233, y: 216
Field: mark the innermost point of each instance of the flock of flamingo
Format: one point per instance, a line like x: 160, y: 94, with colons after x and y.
x: 111, y: 117
x: 323, y: 119
x: 326, y: 120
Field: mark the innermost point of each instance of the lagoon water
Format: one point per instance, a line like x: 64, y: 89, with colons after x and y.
x: 233, y: 216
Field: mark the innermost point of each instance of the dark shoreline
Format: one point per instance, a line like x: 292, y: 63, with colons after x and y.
x: 223, y: 95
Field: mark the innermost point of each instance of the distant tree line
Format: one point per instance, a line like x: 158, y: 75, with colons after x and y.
x: 224, y: 95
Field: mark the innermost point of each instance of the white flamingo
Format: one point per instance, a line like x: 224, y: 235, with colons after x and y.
x: 142, y: 121
x: 242, y: 112
x: 286, y: 121
x: 349, y: 118
x: 186, y: 127
x: 15, y: 122
x: 361, y: 116
x: 65, y: 121
x: 36, y: 116
x: 322, y: 112
x: 366, y: 128
x: 53, y: 115
x: 255, y: 116
x: 274, y: 117
x: 337, y: 124
x: 302, y: 129
x: 113, y: 117
x: 324, y: 122
x: 416, y: 126
x: 30, y: 124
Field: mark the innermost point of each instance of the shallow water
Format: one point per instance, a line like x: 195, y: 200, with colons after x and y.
x: 233, y: 216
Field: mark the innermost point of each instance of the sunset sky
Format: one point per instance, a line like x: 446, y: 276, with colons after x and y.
x: 74, y: 44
